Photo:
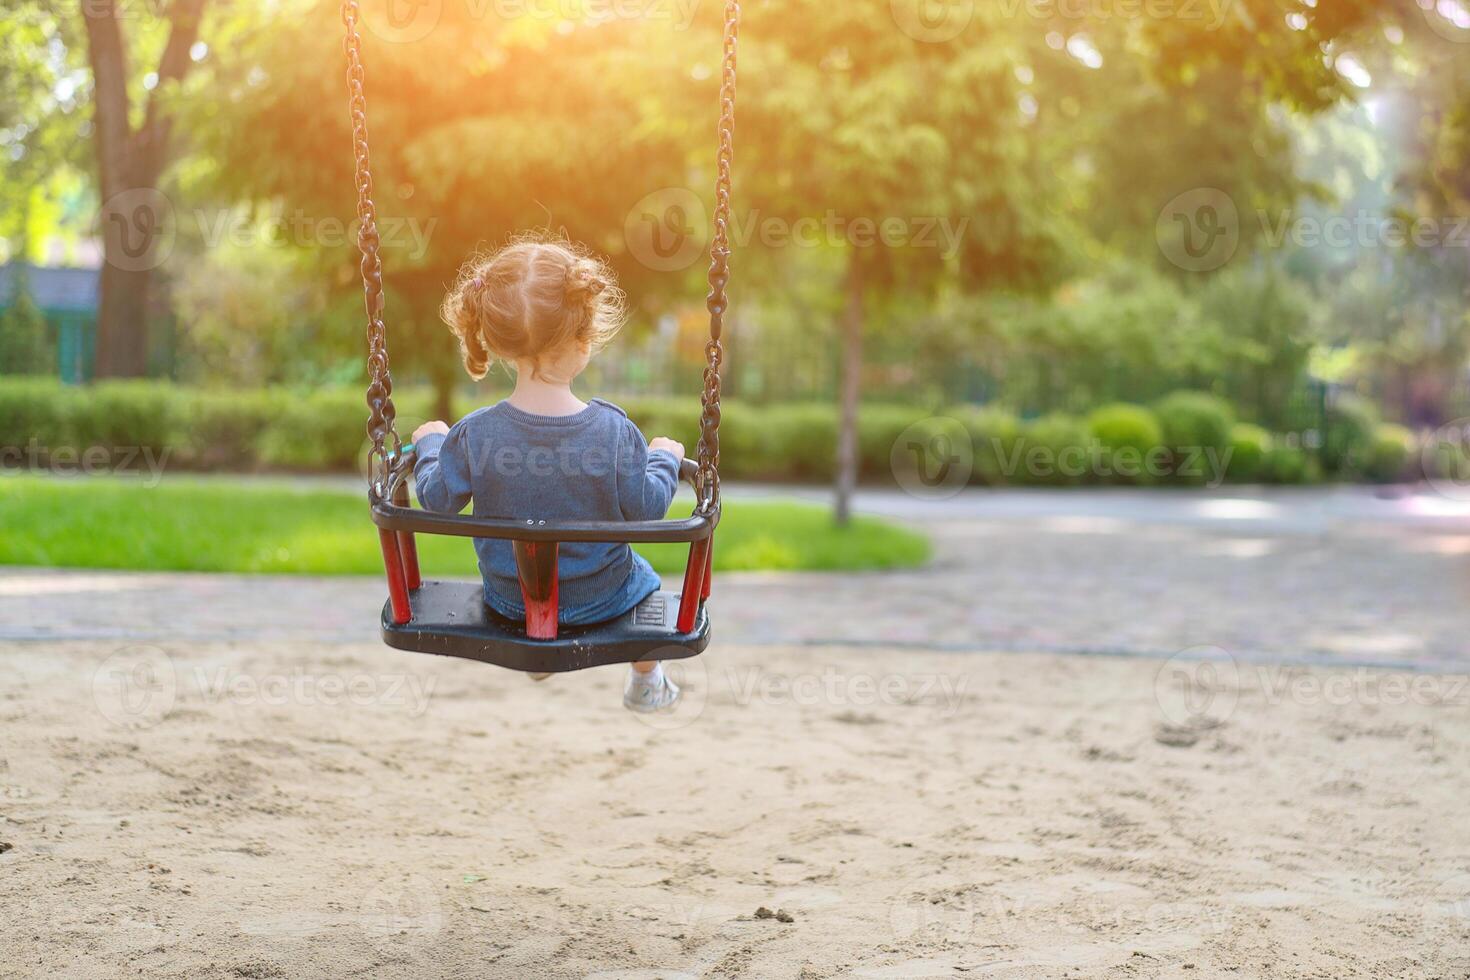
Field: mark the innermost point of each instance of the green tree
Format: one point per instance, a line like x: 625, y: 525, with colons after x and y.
x: 26, y: 344
x: 134, y: 145
x: 484, y: 127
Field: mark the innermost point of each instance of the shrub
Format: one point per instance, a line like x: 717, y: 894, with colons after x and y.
x: 128, y: 415
x: 1282, y: 463
x: 27, y: 343
x: 326, y: 430
x: 1054, y: 451
x: 1196, y: 429
x: 1128, y: 435
x: 1348, y: 441
x: 1249, y: 445
x: 994, y: 433
x: 879, y: 427
x: 1446, y: 456
x: 37, y: 409
x: 1388, y: 457
x: 224, y: 429
x: 676, y: 418
x: 800, y: 442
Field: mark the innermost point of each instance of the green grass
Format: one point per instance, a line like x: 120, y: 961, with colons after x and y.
x: 211, y: 526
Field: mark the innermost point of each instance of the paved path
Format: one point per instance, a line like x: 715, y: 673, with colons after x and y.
x: 1336, y: 576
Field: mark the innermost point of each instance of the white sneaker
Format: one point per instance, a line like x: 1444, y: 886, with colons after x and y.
x: 537, y: 677
x: 653, y: 691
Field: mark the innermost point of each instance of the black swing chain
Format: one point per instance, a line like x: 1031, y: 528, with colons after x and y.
x: 381, y: 421
x: 707, y: 483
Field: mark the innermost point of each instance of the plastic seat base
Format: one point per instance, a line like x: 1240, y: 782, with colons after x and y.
x: 450, y: 619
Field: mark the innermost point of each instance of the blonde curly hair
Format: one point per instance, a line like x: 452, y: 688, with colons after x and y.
x: 529, y: 299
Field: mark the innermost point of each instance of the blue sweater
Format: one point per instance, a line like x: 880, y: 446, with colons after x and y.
x: 591, y: 466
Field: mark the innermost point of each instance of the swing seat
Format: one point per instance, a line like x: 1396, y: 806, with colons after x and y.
x: 451, y: 619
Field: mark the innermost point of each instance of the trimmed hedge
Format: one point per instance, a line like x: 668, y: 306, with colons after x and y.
x: 323, y: 430
x: 1128, y: 434
x: 1249, y: 445
x: 1389, y: 455
x: 1195, y: 425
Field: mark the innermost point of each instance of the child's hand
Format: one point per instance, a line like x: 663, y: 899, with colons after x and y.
x: 668, y: 446
x: 435, y: 428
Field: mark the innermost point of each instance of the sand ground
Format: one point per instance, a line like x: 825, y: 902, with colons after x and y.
x: 224, y: 777
x: 294, y: 810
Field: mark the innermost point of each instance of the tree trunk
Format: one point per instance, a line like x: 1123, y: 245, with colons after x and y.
x: 128, y: 166
x: 852, y: 369
x: 122, y: 317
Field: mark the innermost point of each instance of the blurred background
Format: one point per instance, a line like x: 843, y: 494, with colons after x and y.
x: 1169, y: 225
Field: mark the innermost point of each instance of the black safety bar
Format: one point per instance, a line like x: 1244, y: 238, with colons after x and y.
x: 392, y: 517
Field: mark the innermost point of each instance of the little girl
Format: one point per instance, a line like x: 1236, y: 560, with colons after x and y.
x: 542, y: 453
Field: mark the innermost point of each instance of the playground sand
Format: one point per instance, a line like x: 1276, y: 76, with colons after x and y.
x: 288, y: 810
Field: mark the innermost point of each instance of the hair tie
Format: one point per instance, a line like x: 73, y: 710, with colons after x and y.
x: 477, y: 282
